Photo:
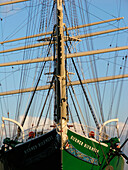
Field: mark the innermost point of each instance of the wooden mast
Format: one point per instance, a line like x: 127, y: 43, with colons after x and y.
x: 70, y: 28
x: 61, y: 79
x: 60, y: 69
x: 46, y: 87
x: 12, y: 2
x: 74, y: 38
x: 72, y: 55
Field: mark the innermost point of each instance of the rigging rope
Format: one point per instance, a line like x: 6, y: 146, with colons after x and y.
x: 5, y: 76
x: 76, y: 99
x: 87, y: 99
x: 94, y: 69
x: 51, y: 84
x: 47, y: 112
x: 72, y: 119
x: 23, y: 77
x: 77, y: 112
x: 123, y: 127
x: 120, y: 92
x: 49, y: 47
x: 32, y: 96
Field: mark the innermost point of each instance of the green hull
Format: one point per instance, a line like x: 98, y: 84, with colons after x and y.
x: 72, y: 163
x: 85, y: 153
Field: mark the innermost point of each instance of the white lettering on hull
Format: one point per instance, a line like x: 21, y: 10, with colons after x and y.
x: 81, y: 143
x: 38, y: 145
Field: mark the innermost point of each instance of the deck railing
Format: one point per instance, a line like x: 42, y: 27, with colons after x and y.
x: 38, y: 132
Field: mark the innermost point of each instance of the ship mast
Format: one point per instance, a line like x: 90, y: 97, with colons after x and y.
x: 60, y: 68
x: 60, y: 83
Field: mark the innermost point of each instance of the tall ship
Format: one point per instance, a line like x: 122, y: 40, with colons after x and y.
x: 63, y: 85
